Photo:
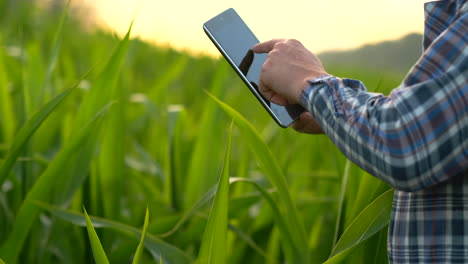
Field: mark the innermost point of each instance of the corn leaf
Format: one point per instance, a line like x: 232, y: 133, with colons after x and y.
x: 27, y: 131
x: 242, y: 235
x: 213, y: 248
x: 141, y: 246
x: 269, y: 165
x: 370, y: 188
x: 111, y: 160
x: 103, y: 90
x: 28, y: 212
x: 206, y: 197
x: 7, y: 115
x: 372, y: 219
x: 154, y: 245
x: 344, y: 184
x: 98, y: 252
x: 57, y: 44
x: 171, y: 73
x: 202, y: 172
x: 280, y: 219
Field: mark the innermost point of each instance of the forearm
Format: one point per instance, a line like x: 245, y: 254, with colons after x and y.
x: 406, y: 139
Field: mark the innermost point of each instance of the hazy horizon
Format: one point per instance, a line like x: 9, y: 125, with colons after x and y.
x: 342, y: 25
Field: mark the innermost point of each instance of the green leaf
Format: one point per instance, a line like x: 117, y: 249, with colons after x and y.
x: 206, y: 197
x: 203, y: 169
x: 7, y: 114
x: 28, y: 130
x: 98, y: 252
x: 1, y: 261
x: 296, y: 251
x: 344, y: 184
x: 56, y: 46
x: 368, y: 189
x: 176, y: 117
x: 111, y: 166
x: 103, y: 90
x: 171, y: 73
x: 154, y: 245
x: 213, y: 248
x: 242, y: 235
x: 280, y: 218
x: 372, y: 219
x: 139, y: 251
x: 28, y: 212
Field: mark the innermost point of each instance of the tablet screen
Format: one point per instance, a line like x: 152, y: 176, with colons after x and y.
x: 234, y: 40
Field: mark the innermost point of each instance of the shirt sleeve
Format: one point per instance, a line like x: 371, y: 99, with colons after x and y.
x: 413, y: 138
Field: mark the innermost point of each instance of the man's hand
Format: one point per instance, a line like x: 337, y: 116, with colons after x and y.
x: 285, y: 72
x: 306, y: 124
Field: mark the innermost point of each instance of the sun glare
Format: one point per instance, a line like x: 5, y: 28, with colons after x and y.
x: 320, y: 25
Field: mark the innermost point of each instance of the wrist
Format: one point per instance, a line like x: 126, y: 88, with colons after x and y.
x: 308, y: 82
x: 313, y: 84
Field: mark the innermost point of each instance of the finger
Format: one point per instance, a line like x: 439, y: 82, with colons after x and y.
x: 298, y: 125
x: 278, y: 100
x: 307, y: 117
x: 266, y: 46
x: 270, y: 95
x: 306, y: 124
x: 301, y: 122
x: 310, y: 125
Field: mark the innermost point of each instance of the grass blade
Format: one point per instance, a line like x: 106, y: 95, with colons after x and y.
x: 98, y: 252
x: 41, y: 190
x: 154, y: 245
x: 372, y: 219
x: 344, y: 184
x: 368, y: 189
x: 7, y: 115
x: 139, y: 251
x: 271, y: 168
x: 206, y: 197
x: 112, y: 158
x: 213, y: 247
x: 56, y: 46
x: 27, y: 131
x: 103, y: 90
x: 202, y: 174
x: 242, y: 235
x: 281, y: 220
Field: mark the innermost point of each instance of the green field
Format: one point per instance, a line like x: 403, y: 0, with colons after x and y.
x: 117, y: 126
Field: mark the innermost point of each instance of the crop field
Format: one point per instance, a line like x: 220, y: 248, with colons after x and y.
x: 113, y: 150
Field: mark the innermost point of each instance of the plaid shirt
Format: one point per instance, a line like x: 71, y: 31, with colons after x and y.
x: 415, y: 139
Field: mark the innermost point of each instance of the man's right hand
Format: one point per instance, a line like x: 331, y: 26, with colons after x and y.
x: 286, y: 70
x: 306, y: 124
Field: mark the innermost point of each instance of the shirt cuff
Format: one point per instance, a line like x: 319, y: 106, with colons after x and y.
x: 307, y: 93
x: 337, y: 94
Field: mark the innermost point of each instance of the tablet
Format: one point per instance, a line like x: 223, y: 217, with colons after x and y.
x: 234, y: 39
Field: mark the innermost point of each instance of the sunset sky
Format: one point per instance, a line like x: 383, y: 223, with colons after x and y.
x: 319, y: 24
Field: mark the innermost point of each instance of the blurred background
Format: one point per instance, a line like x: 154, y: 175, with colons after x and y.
x: 320, y: 25
x: 341, y: 31
x: 91, y: 117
